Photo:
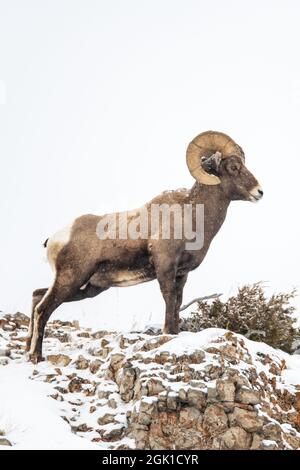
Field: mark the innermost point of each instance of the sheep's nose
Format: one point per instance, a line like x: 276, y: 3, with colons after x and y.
x: 261, y: 193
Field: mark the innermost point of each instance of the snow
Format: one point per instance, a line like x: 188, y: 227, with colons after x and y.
x: 187, y: 342
x: 29, y: 418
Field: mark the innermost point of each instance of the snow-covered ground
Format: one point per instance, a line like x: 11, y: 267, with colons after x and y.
x: 31, y: 419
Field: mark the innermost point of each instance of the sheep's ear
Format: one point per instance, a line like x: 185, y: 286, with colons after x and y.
x: 211, y: 164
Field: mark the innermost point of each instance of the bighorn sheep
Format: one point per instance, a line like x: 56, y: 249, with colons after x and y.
x: 86, y: 265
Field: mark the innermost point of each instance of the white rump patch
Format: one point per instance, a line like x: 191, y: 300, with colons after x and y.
x: 56, y: 243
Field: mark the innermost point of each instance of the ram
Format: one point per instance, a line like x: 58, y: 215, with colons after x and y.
x: 92, y: 254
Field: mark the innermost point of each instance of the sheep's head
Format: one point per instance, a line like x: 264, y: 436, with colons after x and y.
x: 213, y: 158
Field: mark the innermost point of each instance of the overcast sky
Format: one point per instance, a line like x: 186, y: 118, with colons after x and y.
x: 99, y: 100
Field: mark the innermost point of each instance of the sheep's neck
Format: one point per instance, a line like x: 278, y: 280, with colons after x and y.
x: 215, y: 206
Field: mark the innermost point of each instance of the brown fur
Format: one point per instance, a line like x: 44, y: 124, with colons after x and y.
x: 86, y: 266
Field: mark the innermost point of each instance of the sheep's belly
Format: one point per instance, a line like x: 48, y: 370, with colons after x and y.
x: 130, y: 278
x: 122, y: 278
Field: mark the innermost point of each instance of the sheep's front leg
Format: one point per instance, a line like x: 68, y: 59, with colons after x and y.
x: 167, y: 282
x: 169, y: 295
x: 163, y: 255
x: 180, y: 283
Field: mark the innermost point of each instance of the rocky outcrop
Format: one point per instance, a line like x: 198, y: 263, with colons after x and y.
x: 208, y: 390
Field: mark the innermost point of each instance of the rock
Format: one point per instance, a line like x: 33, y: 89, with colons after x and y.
x: 61, y: 360
x: 172, y: 401
x: 21, y: 319
x: 225, y: 390
x: 116, y: 361
x: 106, y: 419
x: 95, y: 366
x: 296, y: 401
x: 4, y: 361
x: 147, y: 411
x: 126, y: 381
x: 269, y: 445
x: 155, y: 386
x: 214, y: 420
x: 155, y: 342
x: 9, y: 327
x: 81, y: 428
x: 259, y: 443
x: 114, y: 433
x: 81, y: 363
x: 197, y: 398
x: 234, y: 438
x: 292, y: 441
x: 5, y: 442
x: 248, y: 396
x: 62, y: 336
x: 196, y: 357
x: 103, y: 394
x: 152, y: 330
x: 100, y: 334
x: 4, y: 352
x: 112, y: 403
x: 256, y: 442
x: 272, y: 431
x: 84, y: 334
x: 248, y: 420
x: 190, y: 417
x: 75, y: 385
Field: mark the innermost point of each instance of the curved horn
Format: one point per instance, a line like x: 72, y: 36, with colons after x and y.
x: 205, y: 145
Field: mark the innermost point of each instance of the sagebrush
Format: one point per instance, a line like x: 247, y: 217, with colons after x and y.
x: 250, y: 313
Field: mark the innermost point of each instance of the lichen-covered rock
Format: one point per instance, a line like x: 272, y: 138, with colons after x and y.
x: 248, y: 396
x: 190, y: 417
x: 235, y: 438
x: 248, y: 420
x: 215, y: 420
x: 225, y: 390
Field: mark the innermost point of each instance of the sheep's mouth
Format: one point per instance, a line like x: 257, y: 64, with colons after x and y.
x: 254, y: 197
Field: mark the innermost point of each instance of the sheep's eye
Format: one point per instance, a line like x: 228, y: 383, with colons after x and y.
x: 234, y: 168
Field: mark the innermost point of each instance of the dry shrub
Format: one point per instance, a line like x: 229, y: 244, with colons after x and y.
x: 250, y: 313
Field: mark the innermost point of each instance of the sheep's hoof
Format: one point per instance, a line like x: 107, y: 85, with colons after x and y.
x: 35, y: 358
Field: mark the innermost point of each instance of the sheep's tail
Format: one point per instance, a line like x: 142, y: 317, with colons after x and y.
x: 45, y: 243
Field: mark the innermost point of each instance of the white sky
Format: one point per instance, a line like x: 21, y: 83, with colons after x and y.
x: 99, y: 100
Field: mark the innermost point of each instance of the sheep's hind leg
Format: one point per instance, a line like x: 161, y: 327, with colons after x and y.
x: 56, y: 295
x: 37, y: 296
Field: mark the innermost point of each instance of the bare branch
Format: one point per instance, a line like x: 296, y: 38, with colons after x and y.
x: 199, y: 299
